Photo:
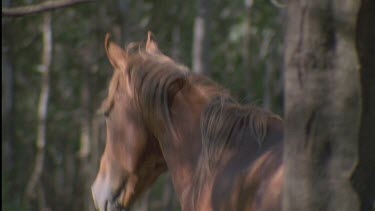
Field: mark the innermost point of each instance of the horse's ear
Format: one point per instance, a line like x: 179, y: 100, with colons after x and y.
x: 116, y: 55
x: 151, y: 45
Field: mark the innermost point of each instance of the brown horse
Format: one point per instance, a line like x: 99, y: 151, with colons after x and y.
x: 221, y: 155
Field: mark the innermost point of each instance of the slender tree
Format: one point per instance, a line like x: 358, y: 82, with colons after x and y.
x: 7, y: 100
x: 246, y: 48
x: 201, y: 37
x: 85, y: 146
x: 7, y: 110
x: 34, y: 181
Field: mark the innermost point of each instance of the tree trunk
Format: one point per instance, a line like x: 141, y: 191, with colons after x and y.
x: 201, y: 37
x: 7, y: 111
x: 176, y: 42
x: 84, y: 190
x: 323, y: 106
x: 8, y: 96
x: 266, y: 51
x: 268, y: 91
x: 365, y: 171
x: 42, y: 114
x: 246, y: 55
x: 124, y: 10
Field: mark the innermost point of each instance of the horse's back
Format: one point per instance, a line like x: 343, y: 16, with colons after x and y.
x: 252, y: 179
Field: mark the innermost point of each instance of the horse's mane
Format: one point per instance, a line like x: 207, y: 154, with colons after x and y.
x: 155, y: 79
x: 224, y: 120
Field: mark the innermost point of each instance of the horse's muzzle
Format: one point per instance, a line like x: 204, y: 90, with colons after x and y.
x: 100, y: 197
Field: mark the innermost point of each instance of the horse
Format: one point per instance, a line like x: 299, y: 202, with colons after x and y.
x: 160, y: 116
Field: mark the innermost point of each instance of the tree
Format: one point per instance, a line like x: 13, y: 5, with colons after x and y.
x: 34, y: 184
x: 365, y: 171
x: 201, y: 37
x: 323, y: 105
x: 7, y: 110
x: 247, y: 70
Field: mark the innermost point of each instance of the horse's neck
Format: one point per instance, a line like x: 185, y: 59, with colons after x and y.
x: 181, y: 152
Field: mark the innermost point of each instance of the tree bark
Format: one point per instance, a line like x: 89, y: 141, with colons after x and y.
x: 42, y: 110
x: 365, y: 171
x: 201, y: 37
x: 323, y: 105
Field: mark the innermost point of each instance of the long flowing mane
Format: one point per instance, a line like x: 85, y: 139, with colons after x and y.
x: 154, y: 80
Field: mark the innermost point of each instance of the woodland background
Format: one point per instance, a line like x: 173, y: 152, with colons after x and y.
x: 55, y: 75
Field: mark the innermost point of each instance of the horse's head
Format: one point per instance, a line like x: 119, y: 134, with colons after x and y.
x: 132, y: 159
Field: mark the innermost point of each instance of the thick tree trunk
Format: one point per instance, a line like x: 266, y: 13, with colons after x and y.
x: 323, y: 106
x: 365, y: 171
x: 201, y: 37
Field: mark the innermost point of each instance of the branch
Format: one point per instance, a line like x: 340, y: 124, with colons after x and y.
x: 42, y: 7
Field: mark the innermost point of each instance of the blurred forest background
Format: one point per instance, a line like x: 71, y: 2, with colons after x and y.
x: 55, y: 75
